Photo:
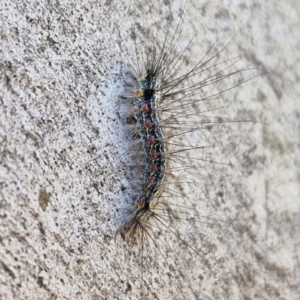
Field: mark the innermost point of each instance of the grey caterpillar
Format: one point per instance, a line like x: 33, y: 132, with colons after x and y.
x: 170, y: 109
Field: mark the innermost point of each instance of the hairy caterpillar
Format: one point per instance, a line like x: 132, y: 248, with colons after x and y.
x: 167, y: 105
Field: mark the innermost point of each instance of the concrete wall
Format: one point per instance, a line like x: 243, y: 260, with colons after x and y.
x: 63, y: 177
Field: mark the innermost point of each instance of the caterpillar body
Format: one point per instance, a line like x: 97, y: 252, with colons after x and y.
x: 145, y: 91
x: 165, y: 108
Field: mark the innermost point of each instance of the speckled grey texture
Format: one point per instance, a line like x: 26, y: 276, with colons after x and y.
x: 62, y: 174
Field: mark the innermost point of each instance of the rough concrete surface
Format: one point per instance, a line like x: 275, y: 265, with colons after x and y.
x: 63, y: 177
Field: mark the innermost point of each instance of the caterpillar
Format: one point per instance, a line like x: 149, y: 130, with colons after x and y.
x: 165, y: 105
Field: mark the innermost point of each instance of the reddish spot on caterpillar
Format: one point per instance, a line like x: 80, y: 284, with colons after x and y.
x: 154, y: 154
x: 138, y: 93
x: 152, y: 141
x: 154, y: 168
x: 145, y: 109
x: 141, y: 205
x: 148, y: 124
x: 151, y: 181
